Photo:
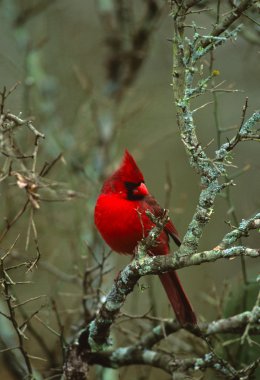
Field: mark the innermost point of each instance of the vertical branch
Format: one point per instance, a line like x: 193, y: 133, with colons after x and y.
x: 187, y: 53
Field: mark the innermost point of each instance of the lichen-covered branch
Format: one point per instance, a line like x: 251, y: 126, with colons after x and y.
x: 234, y: 15
x: 248, y: 131
x: 144, y: 353
x: 235, y: 324
x: 97, y: 333
x: 186, y: 59
x: 167, y: 362
x: 243, y: 230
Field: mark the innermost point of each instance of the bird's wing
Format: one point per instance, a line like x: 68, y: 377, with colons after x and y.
x: 157, y: 210
x: 171, y: 230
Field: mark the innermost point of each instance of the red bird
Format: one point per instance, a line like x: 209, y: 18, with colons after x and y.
x: 121, y: 220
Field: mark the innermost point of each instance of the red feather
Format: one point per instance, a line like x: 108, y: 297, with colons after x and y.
x: 120, y: 216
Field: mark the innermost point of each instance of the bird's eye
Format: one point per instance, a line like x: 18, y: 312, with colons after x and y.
x: 132, y: 185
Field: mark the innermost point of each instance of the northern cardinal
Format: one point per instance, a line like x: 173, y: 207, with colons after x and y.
x: 121, y: 220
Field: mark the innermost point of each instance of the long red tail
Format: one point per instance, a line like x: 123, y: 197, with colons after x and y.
x: 178, y: 299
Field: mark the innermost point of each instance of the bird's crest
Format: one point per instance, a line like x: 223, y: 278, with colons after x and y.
x: 129, y: 171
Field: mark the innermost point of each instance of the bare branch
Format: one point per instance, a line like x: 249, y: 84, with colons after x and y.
x: 234, y: 15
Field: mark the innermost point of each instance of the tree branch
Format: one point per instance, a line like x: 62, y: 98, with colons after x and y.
x: 230, y: 19
x: 95, y: 337
x: 142, y: 353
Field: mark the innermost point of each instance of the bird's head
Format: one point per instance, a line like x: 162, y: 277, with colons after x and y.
x: 127, y: 181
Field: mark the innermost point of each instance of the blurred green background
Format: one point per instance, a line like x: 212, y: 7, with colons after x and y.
x: 59, y: 53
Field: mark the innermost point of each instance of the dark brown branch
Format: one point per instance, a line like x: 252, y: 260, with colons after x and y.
x: 234, y: 15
